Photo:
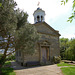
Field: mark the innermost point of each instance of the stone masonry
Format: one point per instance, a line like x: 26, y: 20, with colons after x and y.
x: 49, y: 39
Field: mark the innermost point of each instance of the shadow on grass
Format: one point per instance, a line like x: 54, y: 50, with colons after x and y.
x: 7, y: 71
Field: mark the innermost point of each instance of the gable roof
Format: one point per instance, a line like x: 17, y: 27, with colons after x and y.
x: 46, y: 28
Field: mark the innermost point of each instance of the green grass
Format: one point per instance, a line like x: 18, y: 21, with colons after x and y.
x: 68, y: 70
x: 64, y: 64
x: 7, y: 70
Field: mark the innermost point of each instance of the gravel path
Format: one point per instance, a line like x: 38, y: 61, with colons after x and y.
x: 41, y: 70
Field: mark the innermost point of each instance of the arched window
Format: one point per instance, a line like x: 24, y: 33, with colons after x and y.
x: 41, y: 18
x: 38, y: 18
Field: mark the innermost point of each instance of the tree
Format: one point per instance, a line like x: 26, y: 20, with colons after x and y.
x: 63, y: 46
x: 15, y: 31
x: 27, y: 38
x: 8, y: 22
x: 71, y: 49
x: 0, y: 4
x: 26, y: 34
x: 70, y: 19
x: 21, y: 18
x: 10, y: 57
x: 67, y: 49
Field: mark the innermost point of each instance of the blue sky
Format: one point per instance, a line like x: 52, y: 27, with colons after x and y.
x: 56, y: 14
x: 65, y: 28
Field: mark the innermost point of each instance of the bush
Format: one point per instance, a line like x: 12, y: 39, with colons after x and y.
x: 2, y: 60
x: 56, y: 59
x: 11, y: 57
x: 1, y: 55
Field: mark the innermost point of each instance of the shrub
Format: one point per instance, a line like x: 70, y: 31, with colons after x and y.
x: 56, y: 59
x: 2, y: 60
x: 11, y: 57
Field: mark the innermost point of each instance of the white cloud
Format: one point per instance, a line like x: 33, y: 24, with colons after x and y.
x: 69, y: 36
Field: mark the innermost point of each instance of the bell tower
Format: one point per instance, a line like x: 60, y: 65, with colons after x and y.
x: 39, y: 15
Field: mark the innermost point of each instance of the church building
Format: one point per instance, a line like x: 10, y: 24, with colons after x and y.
x: 48, y: 45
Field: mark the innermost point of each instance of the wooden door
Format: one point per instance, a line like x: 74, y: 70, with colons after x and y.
x: 44, y: 54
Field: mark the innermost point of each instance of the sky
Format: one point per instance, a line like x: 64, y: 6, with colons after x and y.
x: 56, y: 14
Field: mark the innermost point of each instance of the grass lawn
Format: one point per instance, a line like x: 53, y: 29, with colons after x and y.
x: 64, y: 64
x: 67, y: 70
x: 7, y: 70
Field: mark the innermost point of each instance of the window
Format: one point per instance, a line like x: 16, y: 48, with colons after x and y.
x: 38, y: 18
x: 16, y: 53
x: 19, y: 53
x: 41, y: 18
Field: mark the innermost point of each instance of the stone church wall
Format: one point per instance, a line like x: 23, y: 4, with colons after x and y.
x: 32, y: 58
x: 54, y: 44
x: 54, y: 49
x: 46, y: 35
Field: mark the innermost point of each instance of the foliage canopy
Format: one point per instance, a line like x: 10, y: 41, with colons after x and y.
x: 15, y: 32
x: 67, y: 48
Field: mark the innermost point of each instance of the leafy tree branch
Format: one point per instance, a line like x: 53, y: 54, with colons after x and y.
x: 70, y: 19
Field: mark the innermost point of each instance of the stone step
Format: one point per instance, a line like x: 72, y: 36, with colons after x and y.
x: 48, y: 62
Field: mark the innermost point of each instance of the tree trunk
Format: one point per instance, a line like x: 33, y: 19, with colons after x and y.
x: 2, y: 60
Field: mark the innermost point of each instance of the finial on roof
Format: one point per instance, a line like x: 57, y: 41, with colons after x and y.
x: 38, y: 4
